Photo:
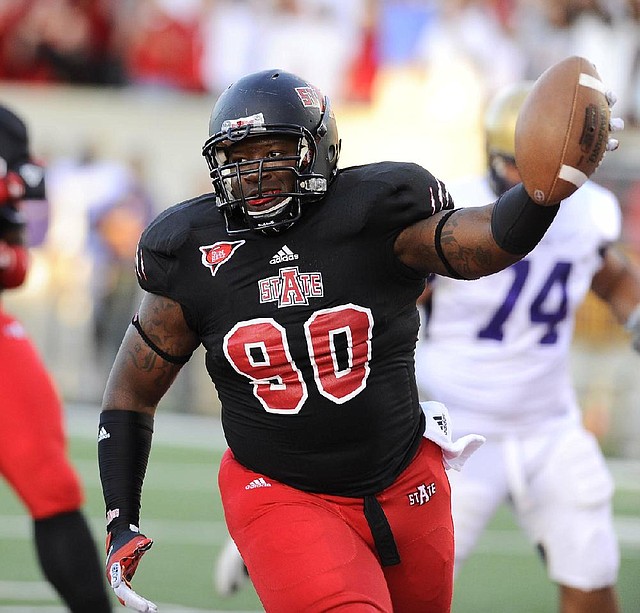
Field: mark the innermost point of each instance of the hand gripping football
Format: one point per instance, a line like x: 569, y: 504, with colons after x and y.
x: 562, y: 130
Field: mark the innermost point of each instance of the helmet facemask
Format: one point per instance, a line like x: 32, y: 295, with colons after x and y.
x: 236, y: 196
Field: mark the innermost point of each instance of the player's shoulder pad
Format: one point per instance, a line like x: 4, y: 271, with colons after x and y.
x: 393, y: 174
x: 171, y: 228
x: 403, y: 181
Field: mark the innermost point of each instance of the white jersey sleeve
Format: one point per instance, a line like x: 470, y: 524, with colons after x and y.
x: 495, y: 350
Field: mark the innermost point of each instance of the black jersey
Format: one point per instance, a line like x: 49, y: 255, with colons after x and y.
x: 310, y: 333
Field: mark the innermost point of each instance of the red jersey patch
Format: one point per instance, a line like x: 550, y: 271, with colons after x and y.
x: 213, y: 256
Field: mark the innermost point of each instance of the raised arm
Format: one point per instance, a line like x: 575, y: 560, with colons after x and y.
x: 556, y: 150
x: 469, y: 243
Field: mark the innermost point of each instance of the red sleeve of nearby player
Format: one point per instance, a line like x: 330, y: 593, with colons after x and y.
x: 12, y: 187
x: 14, y: 263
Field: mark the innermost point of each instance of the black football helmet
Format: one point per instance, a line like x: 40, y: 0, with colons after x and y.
x: 16, y: 168
x: 271, y: 103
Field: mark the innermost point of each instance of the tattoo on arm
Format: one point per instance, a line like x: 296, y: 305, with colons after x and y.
x: 466, y: 260
x: 465, y: 241
x: 162, y: 322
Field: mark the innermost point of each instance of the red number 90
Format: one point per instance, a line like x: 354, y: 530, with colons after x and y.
x: 339, y: 345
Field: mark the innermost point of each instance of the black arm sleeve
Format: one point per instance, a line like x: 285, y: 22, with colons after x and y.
x: 124, y: 443
x: 518, y: 223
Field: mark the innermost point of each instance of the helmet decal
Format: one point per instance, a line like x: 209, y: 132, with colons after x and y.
x: 309, y: 96
x: 255, y: 122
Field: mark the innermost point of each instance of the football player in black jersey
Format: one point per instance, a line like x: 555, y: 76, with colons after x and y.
x: 300, y: 280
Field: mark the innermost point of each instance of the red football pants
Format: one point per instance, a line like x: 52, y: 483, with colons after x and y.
x: 32, y: 443
x: 311, y: 552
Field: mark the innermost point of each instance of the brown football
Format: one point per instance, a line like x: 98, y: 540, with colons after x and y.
x: 562, y: 130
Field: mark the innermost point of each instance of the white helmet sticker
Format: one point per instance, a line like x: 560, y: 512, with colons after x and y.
x: 255, y: 121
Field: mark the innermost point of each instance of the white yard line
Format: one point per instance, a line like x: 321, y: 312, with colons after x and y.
x: 170, y: 428
x: 41, y: 591
x: 175, y: 532
x: 7, y: 587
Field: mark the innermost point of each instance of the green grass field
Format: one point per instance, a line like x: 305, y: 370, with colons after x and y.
x: 182, y: 512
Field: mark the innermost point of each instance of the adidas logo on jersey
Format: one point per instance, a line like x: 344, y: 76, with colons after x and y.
x: 103, y: 434
x: 441, y: 420
x: 259, y: 482
x: 284, y: 255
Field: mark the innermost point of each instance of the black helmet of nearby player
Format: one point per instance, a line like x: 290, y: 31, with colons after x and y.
x: 499, y: 130
x: 271, y: 103
x: 21, y: 177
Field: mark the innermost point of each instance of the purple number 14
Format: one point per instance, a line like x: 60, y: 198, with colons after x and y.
x: 540, y: 312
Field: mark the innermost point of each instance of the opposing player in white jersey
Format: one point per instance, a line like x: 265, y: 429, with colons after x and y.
x: 496, y: 353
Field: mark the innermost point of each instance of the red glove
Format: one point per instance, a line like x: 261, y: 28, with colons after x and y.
x: 124, y: 551
x: 11, y: 187
x: 14, y: 262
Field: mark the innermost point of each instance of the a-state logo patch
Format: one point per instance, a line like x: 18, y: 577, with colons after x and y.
x: 422, y: 494
x: 214, y: 256
x: 291, y: 287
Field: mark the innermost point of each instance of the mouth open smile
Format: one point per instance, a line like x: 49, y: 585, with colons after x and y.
x: 269, y: 196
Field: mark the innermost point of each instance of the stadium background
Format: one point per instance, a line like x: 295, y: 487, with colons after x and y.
x: 408, y: 101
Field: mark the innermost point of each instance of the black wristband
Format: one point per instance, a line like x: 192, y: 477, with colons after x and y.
x: 518, y: 223
x: 124, y: 443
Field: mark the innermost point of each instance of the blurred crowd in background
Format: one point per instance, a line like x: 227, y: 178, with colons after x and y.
x: 202, y: 45
x: 117, y: 95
